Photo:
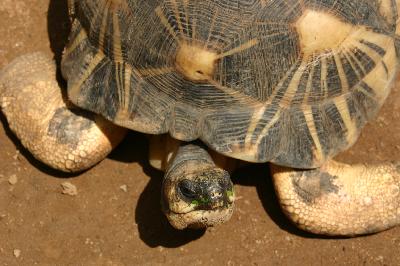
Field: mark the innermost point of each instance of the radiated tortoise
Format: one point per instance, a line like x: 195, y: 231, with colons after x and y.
x: 290, y: 82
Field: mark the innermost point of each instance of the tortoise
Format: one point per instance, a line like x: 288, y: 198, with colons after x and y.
x: 216, y: 84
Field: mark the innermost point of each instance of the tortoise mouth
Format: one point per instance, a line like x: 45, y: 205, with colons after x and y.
x: 198, y: 219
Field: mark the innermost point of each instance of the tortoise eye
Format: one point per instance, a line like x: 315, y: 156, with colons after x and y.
x: 188, y: 189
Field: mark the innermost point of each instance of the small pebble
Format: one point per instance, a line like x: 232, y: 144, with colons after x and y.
x: 13, y: 180
x: 124, y: 188
x: 69, y: 189
x: 15, y: 157
x: 17, y: 253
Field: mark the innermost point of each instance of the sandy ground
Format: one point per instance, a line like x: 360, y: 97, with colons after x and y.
x: 104, y: 225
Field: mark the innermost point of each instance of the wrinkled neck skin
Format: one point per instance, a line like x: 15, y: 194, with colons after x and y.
x: 187, y: 156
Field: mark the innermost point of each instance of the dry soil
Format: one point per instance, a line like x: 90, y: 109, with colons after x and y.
x: 115, y: 218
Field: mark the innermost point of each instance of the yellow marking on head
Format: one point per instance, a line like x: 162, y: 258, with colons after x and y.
x: 321, y: 31
x: 238, y: 49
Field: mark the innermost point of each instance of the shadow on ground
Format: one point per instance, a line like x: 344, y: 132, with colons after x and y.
x: 154, y: 229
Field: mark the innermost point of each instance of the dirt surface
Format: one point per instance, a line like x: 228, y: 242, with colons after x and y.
x: 115, y: 218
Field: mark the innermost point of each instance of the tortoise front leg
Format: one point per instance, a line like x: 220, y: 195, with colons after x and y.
x: 66, y: 139
x: 196, y: 192
x: 340, y: 199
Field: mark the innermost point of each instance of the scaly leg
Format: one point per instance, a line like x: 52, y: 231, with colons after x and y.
x: 340, y: 199
x: 59, y: 135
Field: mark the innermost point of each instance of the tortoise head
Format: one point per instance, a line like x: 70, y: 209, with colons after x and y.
x: 197, y: 199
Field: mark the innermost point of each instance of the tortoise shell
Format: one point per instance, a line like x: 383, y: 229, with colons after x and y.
x: 286, y: 81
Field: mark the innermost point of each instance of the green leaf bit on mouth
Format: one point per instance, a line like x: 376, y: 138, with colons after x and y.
x: 201, y: 201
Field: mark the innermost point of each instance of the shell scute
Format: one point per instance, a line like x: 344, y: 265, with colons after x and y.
x: 291, y: 82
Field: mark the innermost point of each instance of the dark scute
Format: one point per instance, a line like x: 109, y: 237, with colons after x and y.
x: 221, y: 130
x: 362, y: 106
x: 352, y: 76
x: 333, y: 82
x: 364, y: 60
x: 297, y: 146
x: 186, y: 123
x: 374, y: 47
x: 272, y: 142
x: 330, y: 127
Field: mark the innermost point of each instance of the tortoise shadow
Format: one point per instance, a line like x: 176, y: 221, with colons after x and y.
x: 154, y: 228
x: 262, y: 181
x: 58, y: 27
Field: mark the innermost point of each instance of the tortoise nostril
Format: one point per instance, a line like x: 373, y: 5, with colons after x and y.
x: 188, y: 189
x: 215, y: 192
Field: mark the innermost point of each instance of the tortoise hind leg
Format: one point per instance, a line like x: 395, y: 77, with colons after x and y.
x: 340, y: 199
x: 59, y: 136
